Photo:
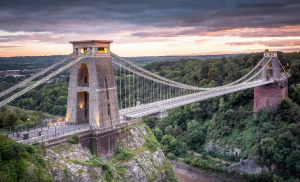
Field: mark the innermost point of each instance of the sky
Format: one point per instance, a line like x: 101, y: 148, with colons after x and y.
x: 150, y: 28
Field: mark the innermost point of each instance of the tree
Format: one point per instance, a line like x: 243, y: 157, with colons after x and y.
x: 169, y: 130
x: 11, y: 120
x: 197, y: 110
x: 248, y: 64
x: 296, y: 94
x: 196, y: 136
x: 2, y: 120
x: 212, y: 74
x: 150, y: 121
x: 158, y: 134
x: 283, y: 108
x: 221, y: 105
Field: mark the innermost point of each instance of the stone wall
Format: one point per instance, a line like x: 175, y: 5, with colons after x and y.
x: 100, y: 141
x: 269, y: 96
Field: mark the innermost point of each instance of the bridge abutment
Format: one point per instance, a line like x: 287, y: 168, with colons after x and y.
x: 100, y: 141
x: 269, y: 96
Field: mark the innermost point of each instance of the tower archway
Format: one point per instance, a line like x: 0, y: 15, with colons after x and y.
x: 83, y: 107
x: 83, y: 75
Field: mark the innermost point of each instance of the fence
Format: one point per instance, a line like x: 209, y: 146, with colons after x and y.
x: 24, y: 127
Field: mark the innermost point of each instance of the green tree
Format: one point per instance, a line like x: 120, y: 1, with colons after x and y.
x: 196, y: 136
x: 11, y: 120
x: 158, y: 134
x: 221, y: 105
x: 150, y: 121
x: 212, y: 74
x: 169, y: 130
x: 197, y: 111
x: 296, y: 94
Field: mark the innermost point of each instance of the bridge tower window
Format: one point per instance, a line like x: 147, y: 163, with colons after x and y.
x: 107, y: 93
x: 102, y: 49
x: 83, y: 50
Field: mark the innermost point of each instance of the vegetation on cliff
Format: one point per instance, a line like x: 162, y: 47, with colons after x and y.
x: 271, y: 139
x: 16, y: 160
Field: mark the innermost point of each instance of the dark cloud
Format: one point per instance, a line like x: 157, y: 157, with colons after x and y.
x: 154, y: 18
x: 269, y: 43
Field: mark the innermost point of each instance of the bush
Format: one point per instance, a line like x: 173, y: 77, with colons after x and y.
x: 126, y: 154
x: 151, y: 143
x: 187, y: 160
x: 96, y: 161
x: 204, y: 155
x: 227, y: 164
x: 171, y: 155
x: 73, y: 139
x: 118, y: 149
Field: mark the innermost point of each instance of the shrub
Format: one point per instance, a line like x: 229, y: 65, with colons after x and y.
x: 118, y: 149
x: 187, y: 160
x: 151, y: 143
x: 204, y: 155
x: 126, y: 154
x: 73, y: 139
x: 171, y: 155
x: 96, y: 161
x: 227, y: 164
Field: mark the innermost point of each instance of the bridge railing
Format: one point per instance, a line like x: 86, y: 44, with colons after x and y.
x: 29, y: 126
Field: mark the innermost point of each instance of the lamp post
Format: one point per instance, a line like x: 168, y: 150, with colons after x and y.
x: 55, y: 129
x: 28, y: 124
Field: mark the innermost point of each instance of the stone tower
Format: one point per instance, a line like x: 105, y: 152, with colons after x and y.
x: 92, y: 93
x: 270, y: 95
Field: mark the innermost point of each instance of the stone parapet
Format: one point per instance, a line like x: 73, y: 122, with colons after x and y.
x: 100, y: 141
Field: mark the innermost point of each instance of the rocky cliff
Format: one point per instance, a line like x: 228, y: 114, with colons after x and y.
x: 138, y: 157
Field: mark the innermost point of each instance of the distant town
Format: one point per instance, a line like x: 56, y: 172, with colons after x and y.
x: 19, y: 73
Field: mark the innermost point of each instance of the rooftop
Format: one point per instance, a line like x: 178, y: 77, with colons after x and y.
x: 91, y: 41
x: 270, y: 51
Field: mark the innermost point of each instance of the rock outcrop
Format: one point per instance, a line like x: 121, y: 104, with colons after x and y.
x: 247, y: 166
x: 220, y: 147
x: 136, y: 162
x: 71, y: 163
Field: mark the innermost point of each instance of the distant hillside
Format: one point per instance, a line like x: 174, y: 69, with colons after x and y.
x: 34, y: 62
x: 143, y: 60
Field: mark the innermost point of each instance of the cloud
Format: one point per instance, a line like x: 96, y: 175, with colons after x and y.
x: 202, y: 41
x: 4, y: 47
x: 269, y: 43
x: 154, y: 18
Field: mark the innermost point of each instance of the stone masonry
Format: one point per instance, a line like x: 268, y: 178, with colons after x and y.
x: 93, y: 75
x: 269, y: 96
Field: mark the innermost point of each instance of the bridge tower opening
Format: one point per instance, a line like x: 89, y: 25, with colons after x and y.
x: 92, y: 95
x: 83, y: 75
x: 269, y: 96
x: 83, y: 107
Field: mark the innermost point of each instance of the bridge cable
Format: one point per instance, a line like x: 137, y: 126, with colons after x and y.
x: 36, y: 75
x: 177, y: 83
x: 9, y: 99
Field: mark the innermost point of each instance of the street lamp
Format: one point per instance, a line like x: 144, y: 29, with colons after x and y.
x: 28, y: 124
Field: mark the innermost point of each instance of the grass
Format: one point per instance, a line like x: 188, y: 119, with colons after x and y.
x: 30, y: 83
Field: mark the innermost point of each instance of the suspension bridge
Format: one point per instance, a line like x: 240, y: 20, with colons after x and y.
x: 106, y: 90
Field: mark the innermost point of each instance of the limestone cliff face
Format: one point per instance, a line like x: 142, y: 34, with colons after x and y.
x: 135, y: 161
